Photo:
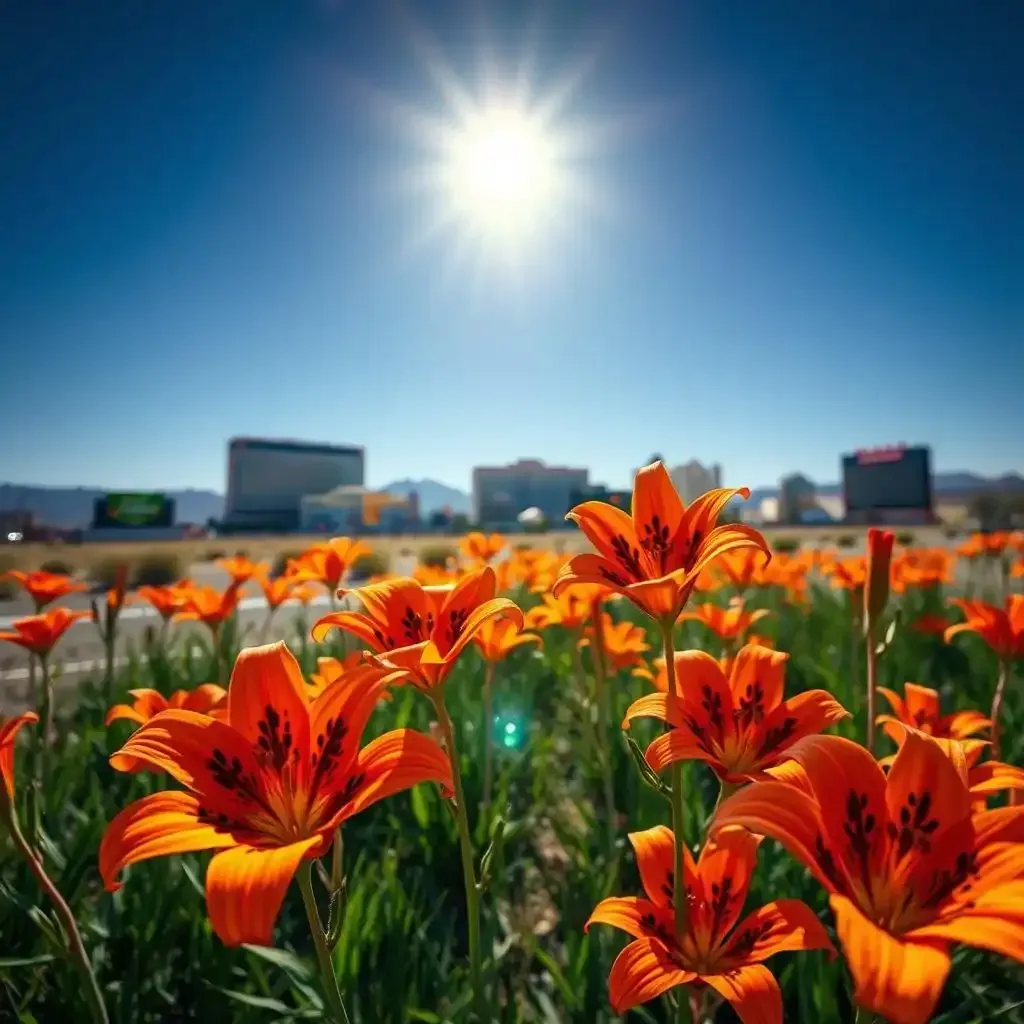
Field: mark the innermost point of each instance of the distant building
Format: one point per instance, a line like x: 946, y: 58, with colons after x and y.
x: 353, y: 509
x: 797, y: 495
x: 888, y: 485
x: 692, y: 479
x: 267, y: 480
x: 500, y: 493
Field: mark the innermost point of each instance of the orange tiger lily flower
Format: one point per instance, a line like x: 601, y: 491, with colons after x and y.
x: 45, y: 587
x: 332, y: 670
x: 624, y: 643
x: 276, y: 590
x: 739, y: 724
x: 919, y: 708
x: 715, y: 951
x: 422, y: 629
x: 266, y: 788
x: 655, y: 556
x: 908, y: 868
x: 741, y: 568
x: 209, y: 605
x: 166, y: 600
x: 498, y: 638
x: 983, y: 780
x: 480, y: 547
x: 1001, y: 628
x: 40, y: 633
x: 9, y: 729
x: 571, y: 608
x: 729, y: 624
x: 328, y: 563
x: 241, y: 568
x: 149, y: 703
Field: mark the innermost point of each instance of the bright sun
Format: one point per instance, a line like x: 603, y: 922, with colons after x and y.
x: 502, y: 171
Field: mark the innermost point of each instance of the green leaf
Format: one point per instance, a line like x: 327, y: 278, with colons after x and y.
x: 8, y: 963
x: 289, y: 962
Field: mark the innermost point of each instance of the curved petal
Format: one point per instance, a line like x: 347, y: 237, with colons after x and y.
x: 995, y: 777
x: 723, y: 539
x: 804, y: 715
x: 590, y: 571
x: 359, y: 625
x: 928, y: 804
x: 9, y: 730
x: 849, y: 789
x: 784, y: 813
x: 757, y: 682
x: 921, y: 705
x: 635, y: 916
x: 245, y: 888
x: 702, y: 513
x: 663, y: 597
x: 657, y: 513
x: 203, y: 697
x: 899, y: 980
x: 267, y: 704
x: 651, y: 705
x: 612, y: 533
x: 678, y: 745
x: 203, y: 754
x: 338, y: 718
x: 752, y: 992
x: 395, y: 761
x: 655, y: 860
x: 778, y: 927
x: 895, y: 701
x: 994, y: 920
x: 400, y: 610
x: 724, y: 869
x: 155, y: 826
x: 459, y: 632
x: 961, y: 724
x: 128, y: 712
x: 643, y: 971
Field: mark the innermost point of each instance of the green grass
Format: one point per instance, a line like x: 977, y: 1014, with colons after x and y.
x: 402, y: 956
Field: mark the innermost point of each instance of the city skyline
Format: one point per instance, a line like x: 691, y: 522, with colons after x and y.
x: 778, y: 260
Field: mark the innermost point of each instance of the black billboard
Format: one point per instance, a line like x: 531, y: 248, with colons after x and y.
x: 133, y: 510
x: 888, y: 479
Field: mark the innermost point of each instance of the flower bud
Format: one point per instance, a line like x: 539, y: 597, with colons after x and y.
x: 876, y: 587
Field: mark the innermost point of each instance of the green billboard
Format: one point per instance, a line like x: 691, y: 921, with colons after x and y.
x: 133, y: 509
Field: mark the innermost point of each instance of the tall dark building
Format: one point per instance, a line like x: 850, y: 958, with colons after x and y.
x: 892, y: 484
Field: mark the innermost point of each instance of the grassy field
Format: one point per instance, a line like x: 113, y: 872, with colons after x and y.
x: 402, y: 948
x: 81, y: 558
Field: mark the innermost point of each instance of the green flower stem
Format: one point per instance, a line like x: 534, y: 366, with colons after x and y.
x: 604, y: 741
x: 91, y: 989
x: 328, y: 978
x: 872, y: 681
x: 476, y: 973
x: 488, y: 729
x: 678, y: 805
x: 996, y: 713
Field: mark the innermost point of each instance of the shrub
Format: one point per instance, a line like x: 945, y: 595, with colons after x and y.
x: 157, y: 571
x: 56, y: 565
x: 845, y: 540
x: 373, y: 563
x: 437, y: 556
x: 951, y: 533
x: 212, y: 555
x: 786, y: 545
x: 905, y: 539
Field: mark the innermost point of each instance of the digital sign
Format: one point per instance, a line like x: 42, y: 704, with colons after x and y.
x: 133, y: 509
x: 892, y: 478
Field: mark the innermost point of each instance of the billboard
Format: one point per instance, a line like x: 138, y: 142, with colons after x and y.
x: 133, y: 509
x: 897, y: 478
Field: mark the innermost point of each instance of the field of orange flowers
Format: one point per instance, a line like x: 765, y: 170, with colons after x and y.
x: 677, y: 777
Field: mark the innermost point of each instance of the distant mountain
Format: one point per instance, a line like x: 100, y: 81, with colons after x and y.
x: 433, y: 496
x: 955, y: 484
x: 71, y: 508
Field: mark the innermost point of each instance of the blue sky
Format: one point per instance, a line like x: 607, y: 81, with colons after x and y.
x: 808, y: 237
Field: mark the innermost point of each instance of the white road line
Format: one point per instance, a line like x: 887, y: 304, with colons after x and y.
x: 74, y: 667
x: 148, y: 612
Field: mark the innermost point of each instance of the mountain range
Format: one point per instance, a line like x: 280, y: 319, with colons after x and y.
x: 72, y: 507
